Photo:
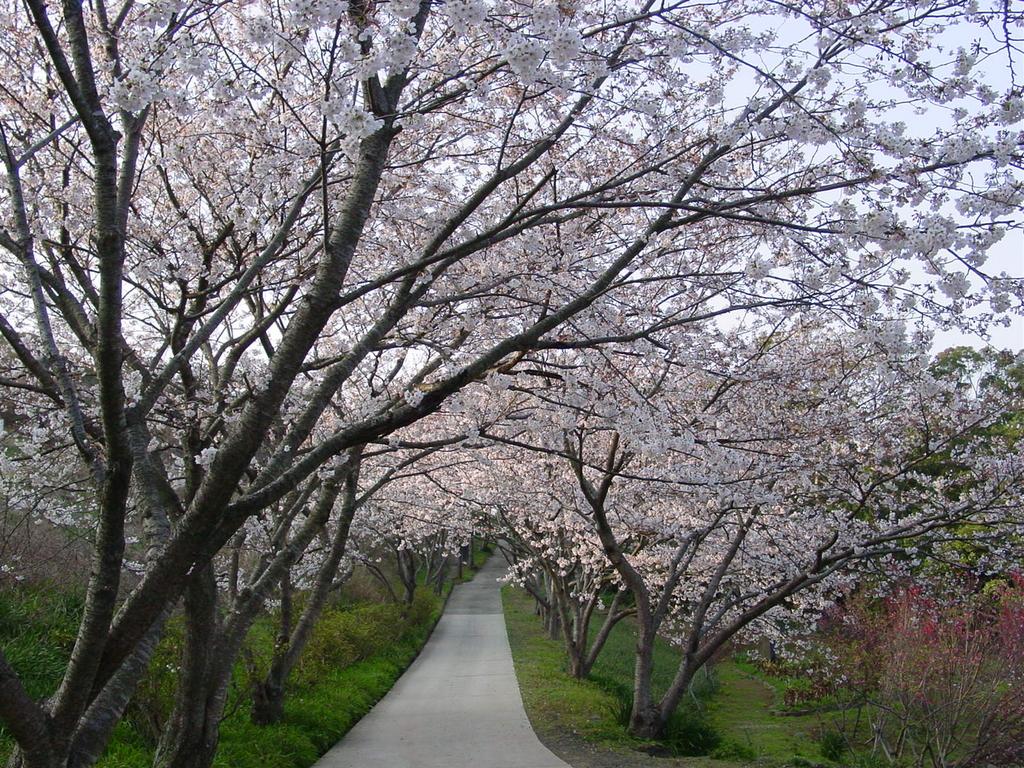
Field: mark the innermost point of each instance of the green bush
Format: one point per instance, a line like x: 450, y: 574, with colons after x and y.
x: 734, y: 751
x: 833, y: 745
x: 689, y: 734
x: 343, y: 637
x: 423, y: 605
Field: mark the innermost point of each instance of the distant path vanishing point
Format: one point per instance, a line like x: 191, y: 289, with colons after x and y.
x: 458, y: 705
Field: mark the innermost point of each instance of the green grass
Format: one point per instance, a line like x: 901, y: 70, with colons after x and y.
x: 327, y: 704
x: 747, y: 711
x: 743, y: 709
x: 37, y: 632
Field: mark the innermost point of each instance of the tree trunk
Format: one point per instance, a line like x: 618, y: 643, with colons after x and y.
x: 268, y: 698
x: 578, y: 666
x: 407, y: 574
x: 645, y: 721
x: 680, y: 685
x: 108, y: 708
x: 441, y: 575
x: 582, y: 658
x: 269, y: 694
x: 192, y: 734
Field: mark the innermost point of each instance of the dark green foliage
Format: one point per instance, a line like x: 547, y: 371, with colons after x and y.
x: 833, y: 745
x: 734, y: 751
x: 688, y: 732
x: 37, y: 632
x: 342, y: 638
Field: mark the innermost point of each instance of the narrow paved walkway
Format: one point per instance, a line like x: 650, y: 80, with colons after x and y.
x: 458, y: 705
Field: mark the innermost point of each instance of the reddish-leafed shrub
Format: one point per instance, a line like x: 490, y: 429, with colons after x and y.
x: 941, y: 683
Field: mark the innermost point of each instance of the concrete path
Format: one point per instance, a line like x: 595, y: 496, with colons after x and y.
x: 458, y: 705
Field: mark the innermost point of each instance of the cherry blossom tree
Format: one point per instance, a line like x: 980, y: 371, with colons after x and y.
x: 241, y: 240
x: 553, y: 553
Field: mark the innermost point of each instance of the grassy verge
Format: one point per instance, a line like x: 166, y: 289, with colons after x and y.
x: 590, y: 708
x: 742, y: 710
x: 356, y: 655
x: 748, y: 712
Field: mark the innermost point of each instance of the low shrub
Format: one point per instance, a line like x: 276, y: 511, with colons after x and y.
x: 941, y: 680
x: 833, y: 745
x: 689, y: 734
x: 343, y: 637
x: 733, y: 750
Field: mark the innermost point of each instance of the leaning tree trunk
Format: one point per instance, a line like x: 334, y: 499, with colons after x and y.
x: 269, y: 694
